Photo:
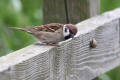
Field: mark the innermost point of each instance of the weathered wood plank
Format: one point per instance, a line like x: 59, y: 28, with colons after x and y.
x: 69, y: 11
x: 54, y: 11
x: 73, y: 59
x: 79, y: 10
x: 94, y: 7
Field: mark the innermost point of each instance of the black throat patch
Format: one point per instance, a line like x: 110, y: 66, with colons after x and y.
x: 67, y: 37
x: 71, y: 35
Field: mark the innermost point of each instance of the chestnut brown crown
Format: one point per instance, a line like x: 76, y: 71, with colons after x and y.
x: 73, y: 28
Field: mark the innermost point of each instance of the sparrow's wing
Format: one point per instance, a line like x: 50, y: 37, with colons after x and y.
x: 46, y: 28
x: 37, y: 28
x: 31, y: 29
x: 53, y: 27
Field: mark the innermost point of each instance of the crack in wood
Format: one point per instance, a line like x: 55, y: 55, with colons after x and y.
x: 66, y: 9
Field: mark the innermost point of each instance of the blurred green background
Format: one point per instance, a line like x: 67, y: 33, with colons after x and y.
x: 22, y: 13
x: 27, y: 13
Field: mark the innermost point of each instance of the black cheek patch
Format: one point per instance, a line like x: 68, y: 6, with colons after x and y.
x: 71, y: 35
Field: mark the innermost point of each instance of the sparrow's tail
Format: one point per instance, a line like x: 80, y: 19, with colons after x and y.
x: 22, y: 29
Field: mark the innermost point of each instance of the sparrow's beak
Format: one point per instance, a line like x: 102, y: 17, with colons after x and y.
x: 72, y: 35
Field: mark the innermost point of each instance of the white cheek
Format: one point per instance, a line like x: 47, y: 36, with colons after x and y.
x: 66, y: 33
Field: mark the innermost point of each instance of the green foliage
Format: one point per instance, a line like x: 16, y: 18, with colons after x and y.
x: 18, y: 13
x: 107, y: 5
x: 111, y: 75
x: 104, y: 77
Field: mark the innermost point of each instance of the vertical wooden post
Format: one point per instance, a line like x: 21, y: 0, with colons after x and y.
x: 79, y: 10
x: 54, y: 11
x: 69, y: 11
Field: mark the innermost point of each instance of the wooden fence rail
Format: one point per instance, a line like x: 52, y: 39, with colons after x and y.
x: 73, y: 59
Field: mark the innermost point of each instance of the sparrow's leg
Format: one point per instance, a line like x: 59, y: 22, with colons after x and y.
x: 52, y: 44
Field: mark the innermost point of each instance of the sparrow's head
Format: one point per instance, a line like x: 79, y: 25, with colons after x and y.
x: 69, y: 31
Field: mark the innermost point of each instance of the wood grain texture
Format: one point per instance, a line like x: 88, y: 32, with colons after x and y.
x: 54, y: 11
x: 94, y: 7
x: 74, y: 59
x: 69, y: 11
x: 79, y: 10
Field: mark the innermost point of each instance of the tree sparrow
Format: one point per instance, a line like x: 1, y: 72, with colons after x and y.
x: 52, y: 33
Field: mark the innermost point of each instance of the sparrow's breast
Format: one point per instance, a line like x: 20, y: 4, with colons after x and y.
x: 48, y: 37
